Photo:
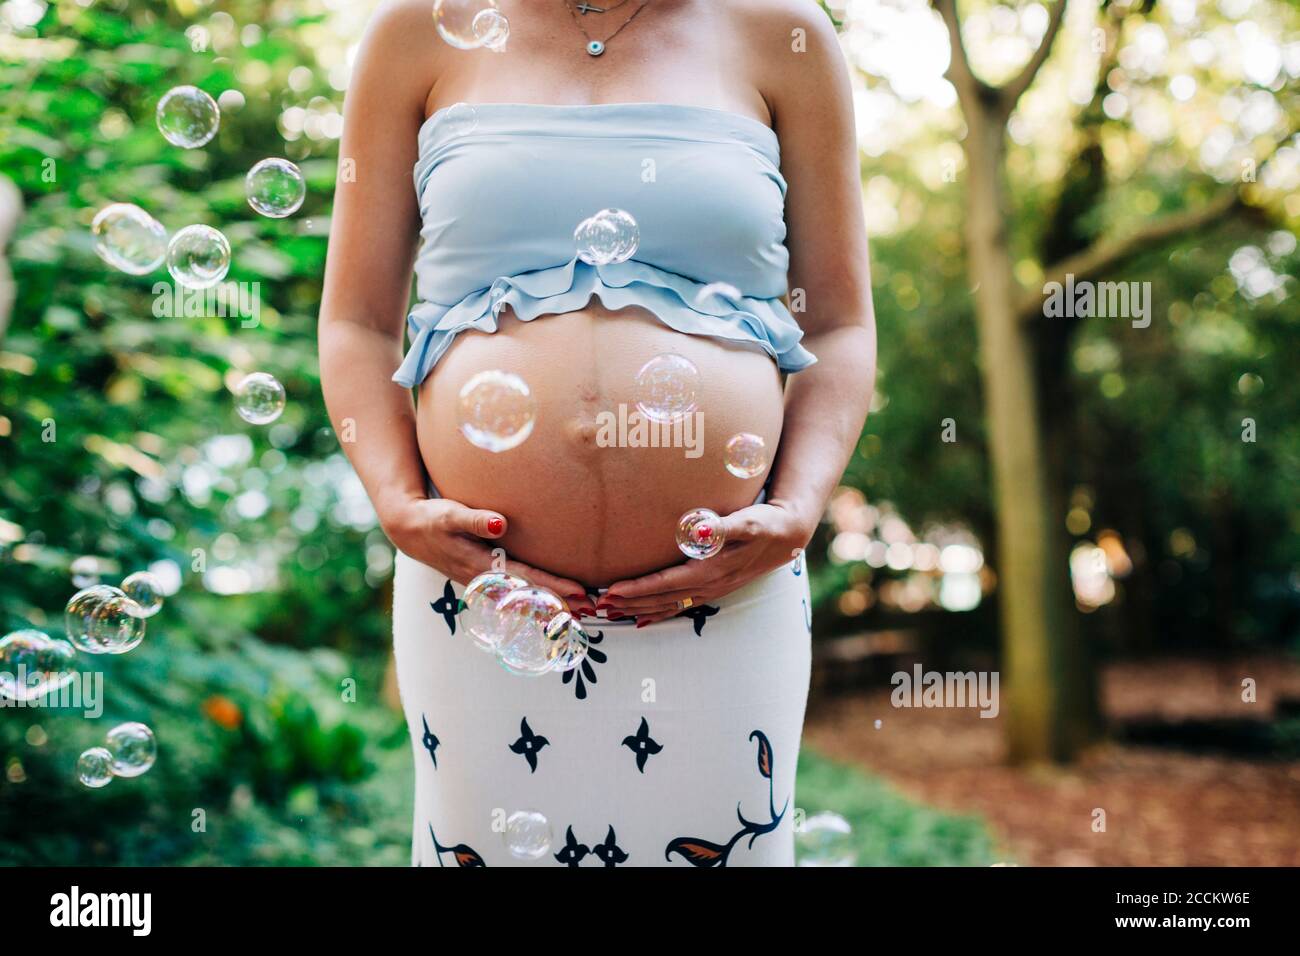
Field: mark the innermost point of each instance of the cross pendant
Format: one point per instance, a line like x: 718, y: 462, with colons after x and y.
x: 586, y: 8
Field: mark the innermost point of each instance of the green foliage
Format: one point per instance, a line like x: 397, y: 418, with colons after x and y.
x: 888, y: 829
x: 119, y: 440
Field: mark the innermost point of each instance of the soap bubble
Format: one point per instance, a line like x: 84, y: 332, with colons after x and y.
x: 567, y: 642
x: 101, y: 619
x: 85, y: 571
x: 491, y: 29
x: 496, y: 410
x: 700, y: 533
x: 129, y: 239
x: 95, y: 767
x: 525, y: 614
x: 455, y: 21
x: 528, y: 835
x: 198, y: 257
x: 825, y: 839
x: 481, y: 597
x: 132, y: 748
x: 716, y: 291
x: 33, y: 664
x: 146, y: 591
x: 746, y: 455
x: 667, y: 386
x: 609, y: 236
x: 259, y: 398
x: 187, y: 117
x: 462, y: 119
x: 275, y: 188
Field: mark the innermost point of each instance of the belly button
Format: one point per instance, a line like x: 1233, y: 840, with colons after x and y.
x: 583, y: 432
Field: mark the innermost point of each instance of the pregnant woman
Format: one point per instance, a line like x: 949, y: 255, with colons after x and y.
x: 724, y: 128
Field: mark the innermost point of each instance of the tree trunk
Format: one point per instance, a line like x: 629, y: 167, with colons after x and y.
x: 1048, y: 710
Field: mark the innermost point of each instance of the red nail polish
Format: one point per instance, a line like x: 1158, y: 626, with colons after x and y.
x: 614, y: 616
x: 641, y: 624
x: 495, y: 525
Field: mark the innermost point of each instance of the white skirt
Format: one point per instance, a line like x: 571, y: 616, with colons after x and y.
x: 671, y: 745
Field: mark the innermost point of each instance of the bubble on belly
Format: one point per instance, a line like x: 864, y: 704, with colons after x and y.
x: 198, y: 257
x: 496, y: 410
x: 187, y: 117
x: 667, y: 388
x: 454, y: 20
x: 491, y: 29
x: 259, y: 398
x: 717, y: 293
x: 528, y: 835
x: 481, y: 597
x: 525, y: 614
x: 700, y: 533
x: 129, y: 239
x: 825, y: 839
x: 567, y: 643
x: 746, y: 455
x: 610, y: 236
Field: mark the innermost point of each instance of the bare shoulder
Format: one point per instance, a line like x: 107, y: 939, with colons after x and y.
x: 401, y: 50
x: 791, y: 47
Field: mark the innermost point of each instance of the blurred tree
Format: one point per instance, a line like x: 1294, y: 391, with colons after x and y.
x: 1051, y: 706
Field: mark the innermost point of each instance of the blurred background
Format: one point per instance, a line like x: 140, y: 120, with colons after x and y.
x: 1103, y: 514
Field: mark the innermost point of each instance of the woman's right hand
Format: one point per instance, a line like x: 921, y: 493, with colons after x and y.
x: 448, y: 537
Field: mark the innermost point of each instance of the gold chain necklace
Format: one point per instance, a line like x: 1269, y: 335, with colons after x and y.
x: 597, y: 47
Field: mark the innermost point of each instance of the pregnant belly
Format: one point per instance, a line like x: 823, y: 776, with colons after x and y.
x: 586, y: 496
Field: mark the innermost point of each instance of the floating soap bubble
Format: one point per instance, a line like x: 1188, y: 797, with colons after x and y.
x: 133, y: 749
x: 187, y: 117
x: 129, y: 239
x: 95, y: 767
x: 825, y: 839
x: 715, y: 292
x: 567, y: 643
x: 525, y: 614
x: 496, y: 410
x: 101, y: 619
x: 746, y: 455
x: 667, y: 386
x: 481, y: 597
x: 455, y: 21
x: 146, y: 591
x: 528, y: 835
x: 700, y: 533
x: 462, y: 119
x: 491, y: 29
x: 33, y: 664
x: 609, y: 236
x: 198, y: 257
x: 85, y: 571
x: 259, y: 398
x: 879, y: 724
x: 275, y: 188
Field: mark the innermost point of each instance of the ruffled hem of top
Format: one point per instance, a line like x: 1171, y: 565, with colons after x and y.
x: 678, y: 302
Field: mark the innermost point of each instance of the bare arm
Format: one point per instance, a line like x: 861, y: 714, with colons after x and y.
x: 826, y: 405
x: 373, y: 239
x: 808, y: 94
x: 368, y: 269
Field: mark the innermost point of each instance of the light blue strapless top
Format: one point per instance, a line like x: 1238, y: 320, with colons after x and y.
x: 499, y: 203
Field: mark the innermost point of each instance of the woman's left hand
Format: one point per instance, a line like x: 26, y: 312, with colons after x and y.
x: 759, y: 539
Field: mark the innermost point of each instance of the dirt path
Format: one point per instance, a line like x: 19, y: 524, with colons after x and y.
x: 1164, y: 807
